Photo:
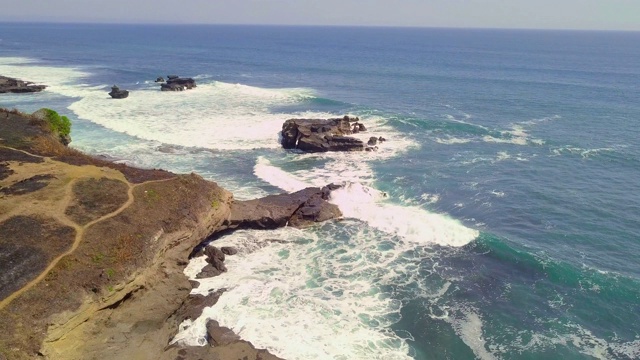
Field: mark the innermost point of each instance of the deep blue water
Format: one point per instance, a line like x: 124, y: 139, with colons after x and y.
x: 528, y: 139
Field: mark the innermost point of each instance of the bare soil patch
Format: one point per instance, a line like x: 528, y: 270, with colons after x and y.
x: 27, y: 245
x: 29, y: 185
x: 94, y: 198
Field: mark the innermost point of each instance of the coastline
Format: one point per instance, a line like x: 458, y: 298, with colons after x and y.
x: 113, y: 287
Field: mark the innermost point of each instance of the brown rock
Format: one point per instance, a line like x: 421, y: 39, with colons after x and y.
x: 220, y: 335
x: 229, y: 250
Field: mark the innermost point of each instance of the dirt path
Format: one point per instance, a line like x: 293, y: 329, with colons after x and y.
x: 58, y: 210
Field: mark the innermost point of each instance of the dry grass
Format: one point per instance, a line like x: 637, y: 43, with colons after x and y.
x: 48, y: 146
x: 127, y: 248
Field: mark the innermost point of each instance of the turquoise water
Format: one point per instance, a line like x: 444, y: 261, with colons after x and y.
x: 511, y: 221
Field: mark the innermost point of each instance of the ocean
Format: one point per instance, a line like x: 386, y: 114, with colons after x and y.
x: 501, y: 219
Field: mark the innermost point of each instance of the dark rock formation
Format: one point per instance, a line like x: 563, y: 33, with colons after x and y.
x: 175, y: 83
x: 171, y: 87
x: 215, y: 260
x: 160, y: 79
x: 319, y: 135
x: 193, y: 306
x: 372, y: 141
x: 228, y: 250
x: 381, y: 139
x: 220, y: 335
x: 116, y: 93
x: 11, y: 85
x: 358, y: 127
x: 299, y: 209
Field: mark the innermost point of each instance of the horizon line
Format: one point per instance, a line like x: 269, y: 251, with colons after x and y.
x: 53, y: 22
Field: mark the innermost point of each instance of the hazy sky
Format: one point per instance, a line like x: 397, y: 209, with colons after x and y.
x: 555, y: 14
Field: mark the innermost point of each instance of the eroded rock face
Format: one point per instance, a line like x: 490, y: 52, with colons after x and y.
x: 299, y: 209
x: 321, y: 135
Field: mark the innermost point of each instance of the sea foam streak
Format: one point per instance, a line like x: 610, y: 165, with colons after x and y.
x: 367, y: 204
x: 214, y: 116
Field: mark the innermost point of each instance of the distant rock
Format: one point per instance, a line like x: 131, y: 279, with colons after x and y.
x: 116, y: 93
x: 176, y: 83
x: 11, y: 85
x: 372, y: 141
x: 320, y: 135
x: 160, y: 79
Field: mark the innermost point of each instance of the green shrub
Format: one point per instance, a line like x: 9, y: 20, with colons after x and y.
x: 57, y: 123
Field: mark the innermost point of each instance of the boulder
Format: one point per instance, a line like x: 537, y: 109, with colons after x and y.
x: 193, y: 306
x: 11, y: 85
x: 321, y: 135
x: 116, y: 93
x: 372, y: 141
x: 208, y: 272
x: 229, y: 250
x: 160, y: 79
x: 171, y: 77
x: 299, y: 209
x: 212, y: 252
x: 220, y: 335
x: 171, y: 87
x: 314, y: 210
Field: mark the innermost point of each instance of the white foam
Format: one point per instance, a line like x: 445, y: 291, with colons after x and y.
x: 301, y: 299
x: 584, y: 153
x: 264, y: 170
x: 58, y: 79
x: 452, y: 141
x: 365, y: 203
x: 411, y: 223
x: 430, y: 198
x: 213, y: 116
x: 469, y: 328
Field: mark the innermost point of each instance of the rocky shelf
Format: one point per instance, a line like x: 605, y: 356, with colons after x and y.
x: 11, y: 85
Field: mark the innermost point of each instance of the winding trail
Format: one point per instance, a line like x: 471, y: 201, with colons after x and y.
x: 59, y: 214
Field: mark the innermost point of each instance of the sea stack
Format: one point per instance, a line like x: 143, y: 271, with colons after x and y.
x: 116, y: 93
x: 176, y: 83
x: 320, y: 135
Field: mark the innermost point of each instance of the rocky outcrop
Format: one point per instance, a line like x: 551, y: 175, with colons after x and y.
x: 321, y: 135
x: 116, y: 93
x: 107, y: 281
x: 299, y: 209
x: 176, y: 83
x: 159, y: 79
x: 111, y: 285
x: 11, y: 85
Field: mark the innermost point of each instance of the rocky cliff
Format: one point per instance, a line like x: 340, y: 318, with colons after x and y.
x: 92, y: 253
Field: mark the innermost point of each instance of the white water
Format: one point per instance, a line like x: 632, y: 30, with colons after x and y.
x: 321, y: 294
x: 312, y: 294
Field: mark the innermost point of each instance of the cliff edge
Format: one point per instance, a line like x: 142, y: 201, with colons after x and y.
x: 92, y: 253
